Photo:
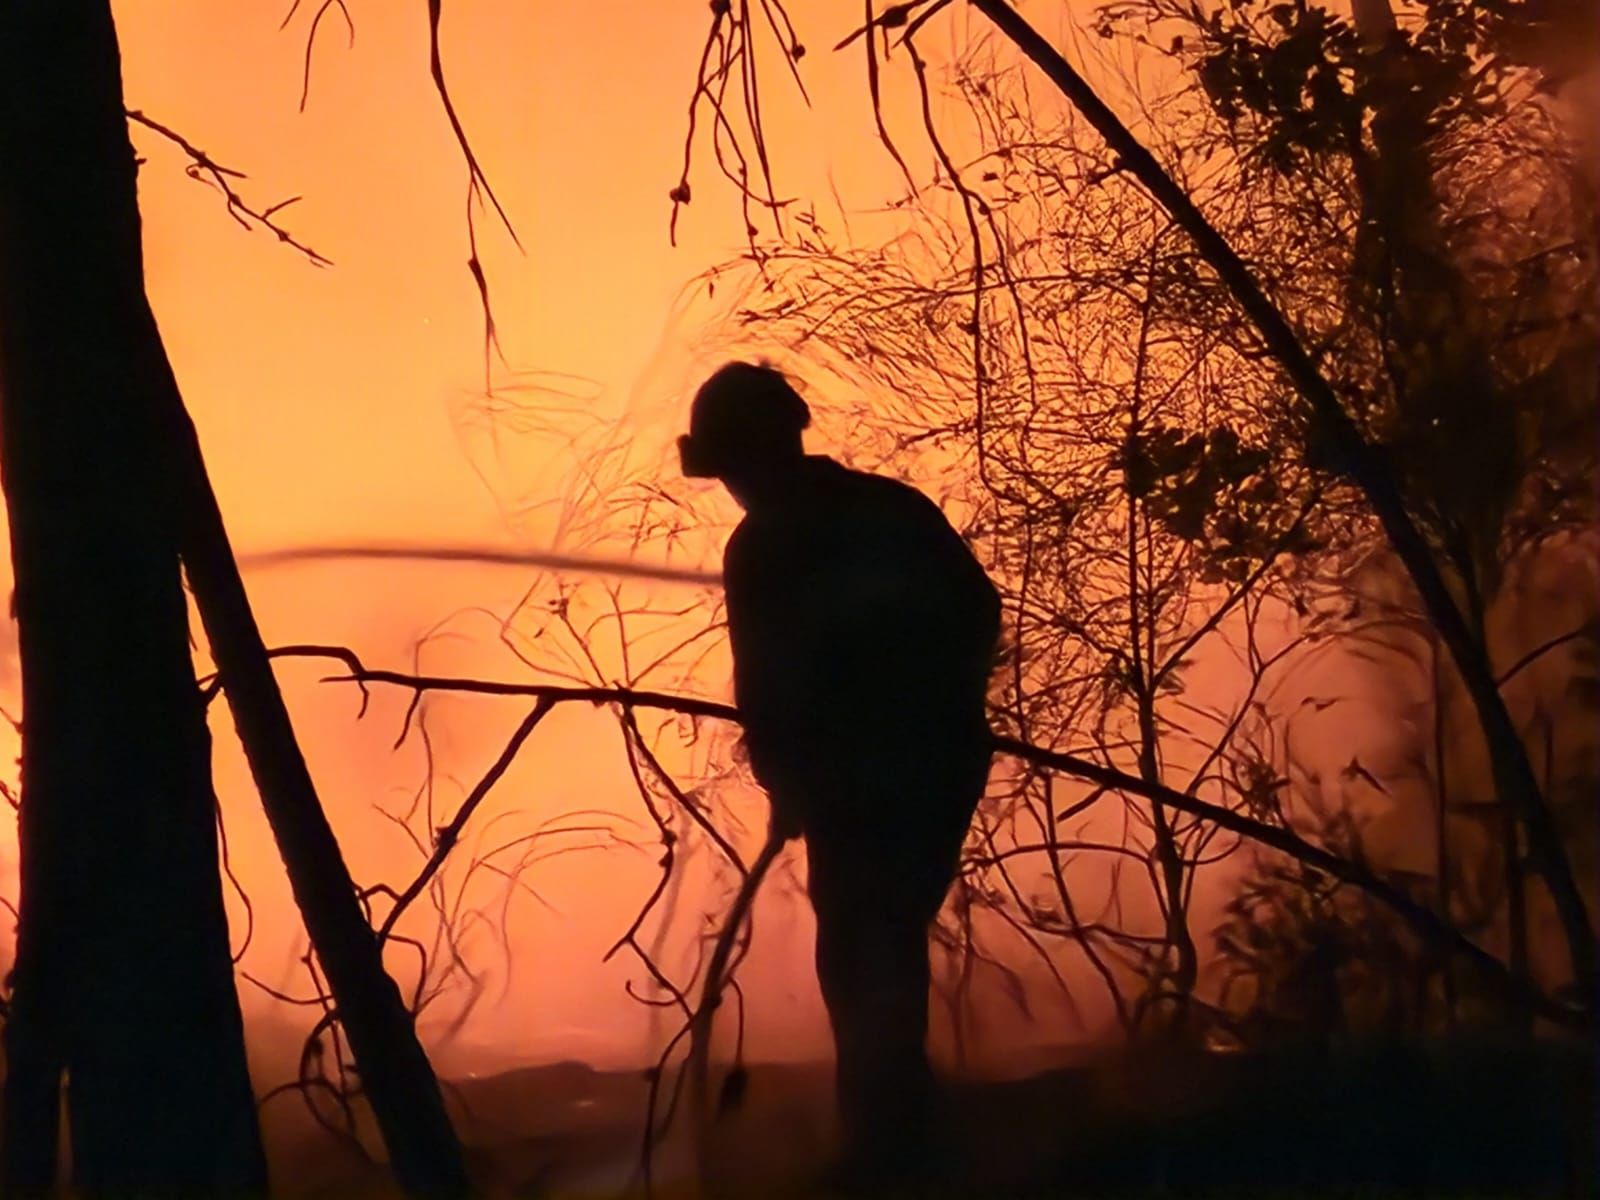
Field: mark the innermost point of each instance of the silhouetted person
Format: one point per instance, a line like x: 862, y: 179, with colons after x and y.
x: 863, y: 635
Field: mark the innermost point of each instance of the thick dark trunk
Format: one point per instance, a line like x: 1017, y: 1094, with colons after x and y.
x: 396, y: 1077
x: 159, y: 441
x: 123, y: 976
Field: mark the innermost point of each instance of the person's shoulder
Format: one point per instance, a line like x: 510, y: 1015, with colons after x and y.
x: 882, y: 493
x: 756, y: 541
x: 741, y: 562
x: 741, y: 541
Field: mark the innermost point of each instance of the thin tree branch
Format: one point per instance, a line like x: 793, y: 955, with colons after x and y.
x: 203, y: 166
x: 1422, y: 920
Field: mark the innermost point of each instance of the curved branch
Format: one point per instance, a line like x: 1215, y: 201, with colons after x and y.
x: 475, y: 173
x: 493, y: 556
x: 1587, y: 629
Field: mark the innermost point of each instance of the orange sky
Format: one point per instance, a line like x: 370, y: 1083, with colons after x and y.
x: 335, y: 404
x: 343, y: 403
x: 347, y: 403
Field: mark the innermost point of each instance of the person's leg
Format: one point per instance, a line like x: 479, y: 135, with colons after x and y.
x: 877, y: 880
x: 872, y: 963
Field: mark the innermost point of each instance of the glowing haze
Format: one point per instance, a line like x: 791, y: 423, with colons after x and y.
x: 348, y: 405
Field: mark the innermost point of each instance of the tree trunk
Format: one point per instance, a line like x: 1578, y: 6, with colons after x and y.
x: 1174, y: 878
x: 123, y: 976
x: 396, y: 1077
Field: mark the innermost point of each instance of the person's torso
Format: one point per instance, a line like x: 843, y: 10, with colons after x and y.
x: 857, y: 600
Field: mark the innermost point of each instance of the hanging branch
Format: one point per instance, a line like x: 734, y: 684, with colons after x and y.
x: 477, y: 179
x: 311, y: 38
x: 478, y: 185
x: 730, y: 44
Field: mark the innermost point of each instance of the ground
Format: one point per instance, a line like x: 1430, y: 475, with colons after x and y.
x: 1475, y: 1121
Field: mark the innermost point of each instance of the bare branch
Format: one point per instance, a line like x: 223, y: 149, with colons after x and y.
x: 205, y: 168
x: 476, y: 177
x: 1423, y: 920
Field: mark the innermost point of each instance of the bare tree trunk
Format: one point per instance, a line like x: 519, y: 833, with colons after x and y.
x: 163, y: 448
x: 1174, y: 876
x: 1346, y: 448
x: 123, y: 980
x: 1443, y: 862
x: 1141, y: 667
x: 1400, y: 216
x: 396, y: 1077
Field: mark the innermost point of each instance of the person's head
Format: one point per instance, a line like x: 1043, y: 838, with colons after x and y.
x: 745, y: 429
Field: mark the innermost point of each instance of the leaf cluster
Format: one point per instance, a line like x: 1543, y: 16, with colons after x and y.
x: 1295, y: 81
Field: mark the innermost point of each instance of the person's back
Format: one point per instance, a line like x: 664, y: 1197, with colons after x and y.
x: 863, y: 632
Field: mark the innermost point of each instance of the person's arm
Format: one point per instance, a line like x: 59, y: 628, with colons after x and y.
x: 768, y: 664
